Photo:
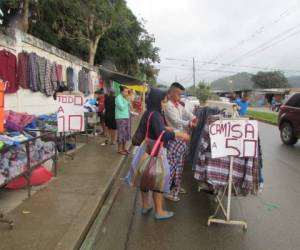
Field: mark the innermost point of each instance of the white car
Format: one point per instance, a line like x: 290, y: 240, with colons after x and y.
x: 190, y: 102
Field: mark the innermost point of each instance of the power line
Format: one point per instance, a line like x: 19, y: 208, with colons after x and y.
x: 257, y: 32
x: 270, y: 41
x: 241, y: 66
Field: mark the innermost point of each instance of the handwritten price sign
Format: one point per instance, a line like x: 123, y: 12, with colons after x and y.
x: 70, y: 114
x: 237, y: 138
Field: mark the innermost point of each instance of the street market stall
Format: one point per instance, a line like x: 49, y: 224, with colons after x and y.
x: 227, y: 159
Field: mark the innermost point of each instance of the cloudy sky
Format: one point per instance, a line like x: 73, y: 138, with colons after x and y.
x: 259, y: 34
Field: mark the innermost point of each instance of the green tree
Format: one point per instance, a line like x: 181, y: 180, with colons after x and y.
x: 129, y: 46
x: 274, y: 79
x: 98, y: 31
x: 202, y: 91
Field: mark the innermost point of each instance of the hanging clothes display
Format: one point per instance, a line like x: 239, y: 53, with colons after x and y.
x: 8, y: 70
x: 84, y: 82
x: 70, y: 79
x: 214, y: 173
x: 48, y: 87
x: 41, y: 63
x: 202, y: 116
x: 22, y: 76
x: 75, y: 79
x: 33, y: 72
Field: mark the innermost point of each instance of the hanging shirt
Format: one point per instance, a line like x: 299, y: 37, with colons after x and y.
x: 54, y: 80
x: 75, y: 79
x: 22, y: 77
x: 70, y: 79
x: 8, y: 70
x: 33, y: 72
x: 41, y: 62
x: 48, y: 87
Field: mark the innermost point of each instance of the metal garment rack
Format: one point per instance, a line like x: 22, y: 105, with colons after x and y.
x: 219, y: 198
x: 63, y: 142
x: 29, y: 167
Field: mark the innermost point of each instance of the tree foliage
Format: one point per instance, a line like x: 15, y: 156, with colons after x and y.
x: 274, y: 79
x: 202, y: 91
x: 16, y: 13
x: 95, y: 30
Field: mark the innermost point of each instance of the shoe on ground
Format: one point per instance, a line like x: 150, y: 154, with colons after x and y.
x: 182, y: 191
x: 172, y: 197
x: 146, y: 211
x: 168, y: 215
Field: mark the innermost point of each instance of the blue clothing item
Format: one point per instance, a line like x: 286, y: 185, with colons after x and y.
x: 243, y: 106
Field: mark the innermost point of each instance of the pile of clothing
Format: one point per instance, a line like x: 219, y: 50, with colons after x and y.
x: 13, y: 161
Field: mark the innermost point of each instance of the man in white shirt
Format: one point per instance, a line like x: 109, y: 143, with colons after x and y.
x: 178, y: 118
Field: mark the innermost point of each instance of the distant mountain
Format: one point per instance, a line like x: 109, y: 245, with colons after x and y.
x: 294, y: 81
x: 240, y: 81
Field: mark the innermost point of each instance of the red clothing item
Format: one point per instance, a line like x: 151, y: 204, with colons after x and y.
x: 23, y: 70
x: 101, y: 106
x: 8, y: 70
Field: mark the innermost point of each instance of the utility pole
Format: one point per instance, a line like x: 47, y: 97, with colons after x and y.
x: 194, y: 76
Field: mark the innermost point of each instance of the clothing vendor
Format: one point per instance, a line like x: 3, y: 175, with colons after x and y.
x: 179, y: 119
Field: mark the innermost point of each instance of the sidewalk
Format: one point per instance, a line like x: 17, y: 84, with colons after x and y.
x: 59, y: 215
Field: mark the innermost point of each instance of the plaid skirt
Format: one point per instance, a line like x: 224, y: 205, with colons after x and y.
x: 124, y: 130
x: 176, y: 151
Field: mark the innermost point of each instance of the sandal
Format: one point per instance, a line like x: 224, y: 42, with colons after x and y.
x: 122, y: 153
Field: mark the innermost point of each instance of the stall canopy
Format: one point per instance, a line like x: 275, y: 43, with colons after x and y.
x: 123, y: 79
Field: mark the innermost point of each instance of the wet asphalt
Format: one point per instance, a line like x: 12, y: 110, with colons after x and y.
x: 272, y: 217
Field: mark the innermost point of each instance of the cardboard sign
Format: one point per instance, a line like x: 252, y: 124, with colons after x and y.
x: 237, y: 138
x: 70, y: 114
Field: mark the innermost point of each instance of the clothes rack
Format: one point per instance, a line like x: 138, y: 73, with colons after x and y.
x: 221, y: 197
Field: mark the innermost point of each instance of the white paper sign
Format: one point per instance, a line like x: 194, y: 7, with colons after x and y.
x: 237, y: 138
x: 70, y: 114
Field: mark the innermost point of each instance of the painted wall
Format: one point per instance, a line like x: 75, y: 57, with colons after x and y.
x: 35, y: 102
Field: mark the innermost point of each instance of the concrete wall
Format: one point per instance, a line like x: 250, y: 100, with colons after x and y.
x: 37, y: 103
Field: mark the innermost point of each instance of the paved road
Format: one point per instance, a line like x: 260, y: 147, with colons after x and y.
x: 273, y: 217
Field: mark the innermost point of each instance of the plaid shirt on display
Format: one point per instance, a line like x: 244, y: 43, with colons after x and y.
x: 215, y: 172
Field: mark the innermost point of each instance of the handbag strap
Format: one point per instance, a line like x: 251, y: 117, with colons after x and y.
x: 148, y: 126
x: 157, y: 144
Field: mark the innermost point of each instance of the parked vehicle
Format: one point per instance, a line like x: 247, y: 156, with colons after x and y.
x: 289, y: 120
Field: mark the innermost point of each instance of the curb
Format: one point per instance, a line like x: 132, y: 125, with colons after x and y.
x: 82, y: 227
x: 264, y: 121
